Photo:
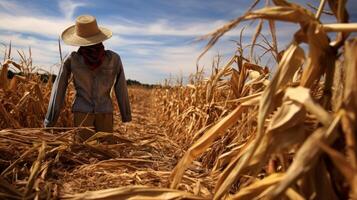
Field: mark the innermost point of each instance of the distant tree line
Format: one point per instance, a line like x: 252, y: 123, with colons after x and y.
x: 135, y: 82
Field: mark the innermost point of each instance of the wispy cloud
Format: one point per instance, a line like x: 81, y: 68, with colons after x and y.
x: 45, y: 27
x: 52, y: 26
x: 68, y: 7
x: 151, y: 49
x: 12, y: 7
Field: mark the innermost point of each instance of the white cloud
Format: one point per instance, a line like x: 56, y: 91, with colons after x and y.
x: 22, y: 19
x: 174, y: 60
x: 149, y: 56
x: 12, y: 7
x: 47, y: 27
x: 163, y: 27
x: 68, y: 7
x: 118, y: 40
x: 53, y: 26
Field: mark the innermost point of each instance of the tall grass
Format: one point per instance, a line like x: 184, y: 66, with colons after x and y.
x: 269, y: 138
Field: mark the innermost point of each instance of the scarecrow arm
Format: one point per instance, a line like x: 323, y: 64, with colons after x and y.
x: 58, y: 94
x: 121, y: 93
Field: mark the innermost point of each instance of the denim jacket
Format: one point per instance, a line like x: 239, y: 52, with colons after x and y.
x: 93, y: 87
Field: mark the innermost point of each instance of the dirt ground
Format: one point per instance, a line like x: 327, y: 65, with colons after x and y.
x: 142, y: 155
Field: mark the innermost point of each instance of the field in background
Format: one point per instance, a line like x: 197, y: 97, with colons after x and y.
x: 240, y: 133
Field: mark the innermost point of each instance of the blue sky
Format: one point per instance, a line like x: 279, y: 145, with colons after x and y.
x: 154, y: 37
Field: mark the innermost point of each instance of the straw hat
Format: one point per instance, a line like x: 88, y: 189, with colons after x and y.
x: 85, y: 32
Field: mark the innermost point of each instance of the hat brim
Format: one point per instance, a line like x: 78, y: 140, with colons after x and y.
x: 70, y: 37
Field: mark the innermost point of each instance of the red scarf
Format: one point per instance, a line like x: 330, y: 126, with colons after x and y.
x: 93, y: 55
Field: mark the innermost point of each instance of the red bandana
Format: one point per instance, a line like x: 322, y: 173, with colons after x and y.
x: 93, y: 55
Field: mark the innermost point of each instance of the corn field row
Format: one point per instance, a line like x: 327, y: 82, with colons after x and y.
x: 240, y: 133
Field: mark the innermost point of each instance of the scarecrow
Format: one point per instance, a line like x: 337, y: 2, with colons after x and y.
x: 96, y: 72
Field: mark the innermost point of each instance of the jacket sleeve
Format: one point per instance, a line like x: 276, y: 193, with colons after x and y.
x: 121, y: 93
x: 58, y: 94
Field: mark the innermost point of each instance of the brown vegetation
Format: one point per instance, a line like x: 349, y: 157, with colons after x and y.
x: 236, y: 134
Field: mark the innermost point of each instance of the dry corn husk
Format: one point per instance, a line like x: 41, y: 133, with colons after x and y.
x: 235, y: 134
